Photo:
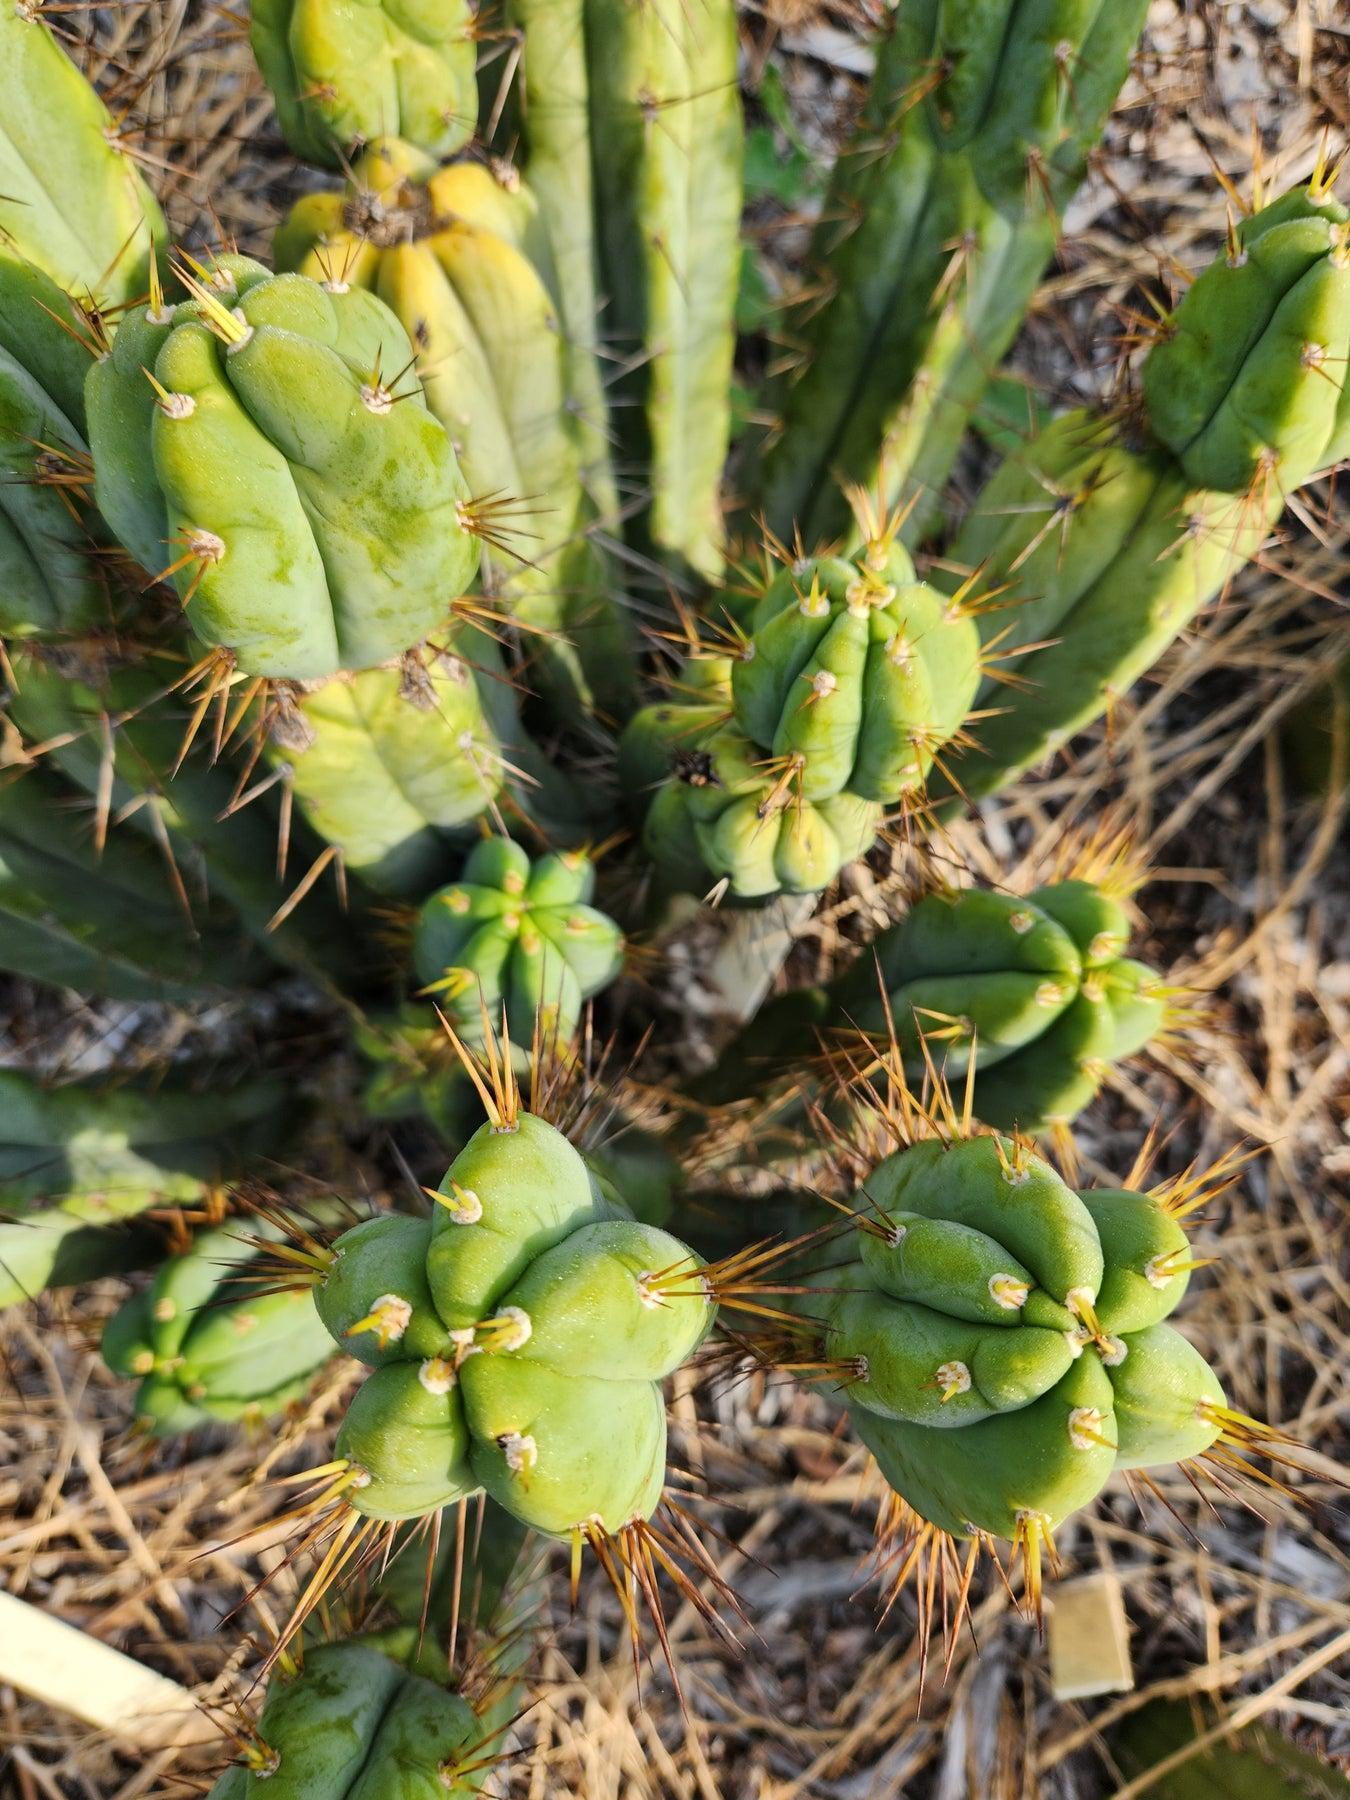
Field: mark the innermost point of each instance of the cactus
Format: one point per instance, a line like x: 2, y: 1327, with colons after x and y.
x: 940, y: 220
x: 1035, y: 991
x: 353, y: 1725
x: 459, y: 256
x: 517, y: 1341
x: 47, y: 584
x: 848, y: 683
x: 643, y: 99
x: 309, y: 513
x: 342, y: 75
x: 100, y: 917
x: 515, y: 933
x: 1246, y: 385
x: 92, y: 231
x: 80, y: 1159
x: 1254, y: 1763
x: 1003, y: 1339
x: 206, y: 1341
x: 1108, y: 553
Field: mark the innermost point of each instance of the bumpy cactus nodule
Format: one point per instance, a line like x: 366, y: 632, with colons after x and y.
x: 1037, y: 991
x: 846, y: 685
x: 516, y: 933
x: 92, y: 230
x: 267, y: 444
x: 1003, y: 1338
x: 353, y: 1724
x: 1247, y: 384
x: 343, y: 74
x: 206, y: 1343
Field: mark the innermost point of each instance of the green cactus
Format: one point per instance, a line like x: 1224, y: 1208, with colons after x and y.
x: 48, y: 583
x: 100, y: 917
x: 634, y: 143
x: 459, y: 255
x: 1246, y: 386
x: 1037, y: 990
x: 1105, y: 555
x: 1256, y: 1763
x: 207, y: 1342
x: 311, y: 514
x: 518, y: 1340
x: 940, y: 220
x: 355, y: 1725
x: 516, y: 933
x: 92, y: 230
x: 78, y: 1160
x: 846, y: 685
x: 342, y: 75
x: 1003, y: 1339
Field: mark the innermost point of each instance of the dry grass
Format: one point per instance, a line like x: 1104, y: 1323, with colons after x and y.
x: 1250, y: 895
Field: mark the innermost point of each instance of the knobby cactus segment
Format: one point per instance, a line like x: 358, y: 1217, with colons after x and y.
x: 942, y: 215
x: 389, y: 764
x: 1036, y: 992
x: 342, y: 75
x: 1004, y: 1343
x: 516, y: 933
x: 267, y: 446
x: 92, y: 230
x: 460, y: 256
x: 518, y: 1340
x: 354, y: 1724
x: 206, y: 1340
x: 1247, y: 385
x: 48, y: 584
x: 843, y: 690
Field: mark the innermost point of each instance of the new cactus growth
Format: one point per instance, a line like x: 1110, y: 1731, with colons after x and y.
x: 517, y: 1339
x: 1036, y: 992
x: 92, y: 231
x: 354, y: 1724
x: 342, y: 75
x: 846, y: 685
x: 206, y: 1340
x: 267, y: 446
x: 1003, y: 1340
x: 515, y: 933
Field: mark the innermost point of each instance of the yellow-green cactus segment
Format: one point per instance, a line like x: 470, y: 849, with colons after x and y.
x: 520, y: 933
x: 456, y: 253
x: 406, y: 1437
x: 1168, y: 1402
x: 354, y: 1725
x: 386, y: 762
x: 666, y: 154
x: 345, y: 71
x: 47, y: 580
x: 205, y: 1345
x: 311, y: 515
x: 1247, y: 385
x: 71, y: 199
